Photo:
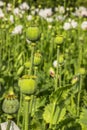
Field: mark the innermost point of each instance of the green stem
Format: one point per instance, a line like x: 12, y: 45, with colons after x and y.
x: 26, y: 112
x: 32, y: 59
x: 65, y: 5
x: 60, y: 76
x: 35, y: 70
x: 18, y: 117
x: 13, y: 4
x: 57, y: 69
x: 51, y: 50
x: 79, y: 94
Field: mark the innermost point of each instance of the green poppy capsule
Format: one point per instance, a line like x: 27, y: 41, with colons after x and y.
x: 10, y: 104
x: 58, y: 40
x: 27, y: 85
x: 37, y: 58
x: 33, y: 33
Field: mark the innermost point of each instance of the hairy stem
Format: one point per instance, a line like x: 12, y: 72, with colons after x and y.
x: 57, y: 69
x: 79, y: 94
x: 32, y: 59
x: 26, y: 112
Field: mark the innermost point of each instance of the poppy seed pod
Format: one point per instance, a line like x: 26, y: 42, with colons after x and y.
x: 61, y: 58
x: 10, y: 104
x: 37, y: 58
x: 33, y: 33
x: 82, y: 71
x: 58, y: 40
x: 27, y: 84
x: 27, y: 64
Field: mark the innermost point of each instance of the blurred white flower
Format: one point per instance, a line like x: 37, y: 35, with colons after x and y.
x: 81, y: 11
x: 69, y: 20
x: 16, y: 11
x: 22, y: 11
x: 67, y: 26
x: 11, y: 18
x: 24, y: 6
x: 61, y: 9
x: 74, y: 24
x: 9, y: 7
x: 49, y: 26
x: 56, y: 9
x: 36, y: 10
x: 55, y: 63
x: 1, y: 3
x: 47, y: 12
x: 1, y: 14
x: 17, y: 30
x: 84, y: 25
x: 84, y: 13
x: 60, y: 18
x: 49, y: 20
x: 29, y: 17
x: 33, y: 12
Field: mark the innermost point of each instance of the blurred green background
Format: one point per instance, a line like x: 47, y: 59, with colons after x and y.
x: 52, y: 3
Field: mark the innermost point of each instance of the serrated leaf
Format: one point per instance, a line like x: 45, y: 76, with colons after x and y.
x: 83, y: 117
x: 53, y: 113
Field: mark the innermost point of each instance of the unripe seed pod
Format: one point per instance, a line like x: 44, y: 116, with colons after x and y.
x: 10, y: 104
x: 82, y: 71
x: 27, y: 84
x: 58, y: 40
x: 27, y: 64
x: 33, y: 33
x: 37, y: 58
x: 61, y: 58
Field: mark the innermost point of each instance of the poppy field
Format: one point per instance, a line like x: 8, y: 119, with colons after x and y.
x: 43, y: 67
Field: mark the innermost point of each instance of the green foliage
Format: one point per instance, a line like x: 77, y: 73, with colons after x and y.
x: 56, y: 94
x: 81, y: 3
x: 53, y: 113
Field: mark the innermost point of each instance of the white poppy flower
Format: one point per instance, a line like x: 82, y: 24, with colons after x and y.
x: 24, y: 6
x: 11, y: 19
x: 29, y: 17
x: 1, y: 3
x: 84, y: 25
x: 49, y: 20
x: 55, y: 63
x: 67, y: 26
x: 61, y: 9
x: 74, y: 24
x: 47, y: 12
x: 1, y: 14
x: 17, y: 30
x: 9, y: 7
x: 16, y: 11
